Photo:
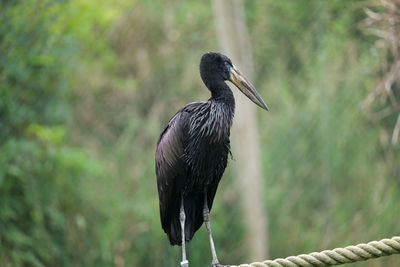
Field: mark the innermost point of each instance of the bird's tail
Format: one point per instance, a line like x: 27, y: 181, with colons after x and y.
x: 194, y: 219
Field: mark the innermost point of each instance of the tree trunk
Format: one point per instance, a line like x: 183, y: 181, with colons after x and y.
x: 234, y: 39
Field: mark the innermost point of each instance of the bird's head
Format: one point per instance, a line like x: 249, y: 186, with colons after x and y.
x: 215, y: 67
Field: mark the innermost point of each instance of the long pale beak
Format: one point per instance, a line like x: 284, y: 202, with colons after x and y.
x: 246, y: 87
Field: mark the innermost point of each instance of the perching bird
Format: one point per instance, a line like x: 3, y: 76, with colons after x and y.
x: 192, y: 153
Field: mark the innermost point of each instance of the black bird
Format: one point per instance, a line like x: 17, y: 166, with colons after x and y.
x: 192, y: 153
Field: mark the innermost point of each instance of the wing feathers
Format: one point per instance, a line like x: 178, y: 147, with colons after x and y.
x: 172, y: 168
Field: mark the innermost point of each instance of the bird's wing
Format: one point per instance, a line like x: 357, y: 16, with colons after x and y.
x: 171, y: 165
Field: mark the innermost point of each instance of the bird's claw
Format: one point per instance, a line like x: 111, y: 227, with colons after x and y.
x: 217, y: 264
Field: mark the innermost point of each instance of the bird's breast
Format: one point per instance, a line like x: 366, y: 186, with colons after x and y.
x: 216, y: 128
x: 207, y: 164
x: 208, y: 147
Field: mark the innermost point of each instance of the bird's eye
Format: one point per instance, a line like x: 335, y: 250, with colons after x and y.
x: 226, y: 63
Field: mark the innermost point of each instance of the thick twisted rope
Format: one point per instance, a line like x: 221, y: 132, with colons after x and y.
x: 337, y: 256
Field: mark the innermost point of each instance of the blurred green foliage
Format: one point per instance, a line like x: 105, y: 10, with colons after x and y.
x: 45, y: 215
x: 87, y: 86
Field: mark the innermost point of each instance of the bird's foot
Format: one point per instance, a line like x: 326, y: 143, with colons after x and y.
x: 217, y: 264
x: 184, y: 263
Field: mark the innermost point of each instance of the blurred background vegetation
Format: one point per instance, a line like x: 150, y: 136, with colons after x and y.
x: 87, y: 86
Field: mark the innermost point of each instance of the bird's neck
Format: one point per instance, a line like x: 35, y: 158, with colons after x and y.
x: 220, y: 92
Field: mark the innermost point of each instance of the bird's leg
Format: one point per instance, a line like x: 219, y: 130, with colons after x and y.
x: 182, y: 217
x: 206, y: 216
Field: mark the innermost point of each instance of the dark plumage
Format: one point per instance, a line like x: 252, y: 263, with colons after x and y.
x: 192, y: 151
